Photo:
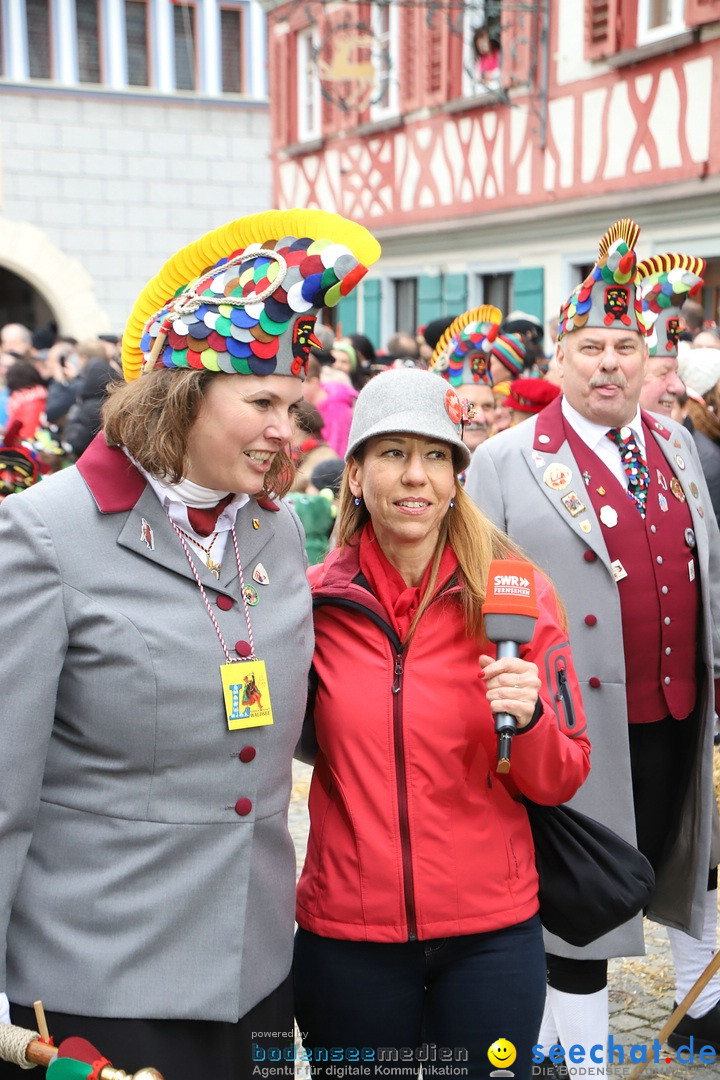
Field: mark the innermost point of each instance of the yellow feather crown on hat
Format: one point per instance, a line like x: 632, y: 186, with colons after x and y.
x: 470, y: 335
x: 625, y: 230
x: 613, y: 274
x: 223, y: 302
x: 665, y: 282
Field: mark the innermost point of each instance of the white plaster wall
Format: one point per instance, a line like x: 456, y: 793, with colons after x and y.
x: 115, y: 184
x: 570, y: 55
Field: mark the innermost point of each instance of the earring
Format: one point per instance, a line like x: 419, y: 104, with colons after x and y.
x: 357, y: 501
x: 452, y: 503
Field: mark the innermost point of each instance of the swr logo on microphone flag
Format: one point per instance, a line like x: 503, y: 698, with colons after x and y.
x: 511, y: 583
x: 511, y: 589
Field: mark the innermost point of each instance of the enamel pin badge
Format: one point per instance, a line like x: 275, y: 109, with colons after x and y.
x: 557, y: 476
x: 260, y: 575
x: 573, y: 504
x: 609, y: 516
x: 146, y: 534
x: 677, y: 490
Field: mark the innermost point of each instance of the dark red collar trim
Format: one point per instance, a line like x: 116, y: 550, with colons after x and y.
x: 654, y: 424
x: 549, y: 424
x: 114, y: 482
x: 266, y: 503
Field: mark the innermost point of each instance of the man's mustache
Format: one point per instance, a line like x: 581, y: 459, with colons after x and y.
x: 608, y: 379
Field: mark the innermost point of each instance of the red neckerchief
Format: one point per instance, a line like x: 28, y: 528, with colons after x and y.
x: 203, y: 519
x: 401, y: 601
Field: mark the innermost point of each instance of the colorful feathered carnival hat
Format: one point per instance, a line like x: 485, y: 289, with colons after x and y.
x: 462, y: 352
x: 244, y: 297
x: 608, y: 296
x: 665, y: 283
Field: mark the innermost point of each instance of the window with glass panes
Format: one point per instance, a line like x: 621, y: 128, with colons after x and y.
x: 38, y: 28
x: 137, y: 41
x: 88, y: 40
x: 232, y: 50
x: 184, y: 25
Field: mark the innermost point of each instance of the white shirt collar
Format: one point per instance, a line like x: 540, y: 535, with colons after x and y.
x: 175, y: 506
x: 592, y: 434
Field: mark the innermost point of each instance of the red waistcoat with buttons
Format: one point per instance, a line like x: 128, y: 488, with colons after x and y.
x: 659, y: 596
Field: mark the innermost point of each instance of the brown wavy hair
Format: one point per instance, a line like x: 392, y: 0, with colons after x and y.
x: 475, y: 540
x: 704, y: 415
x: 152, y: 417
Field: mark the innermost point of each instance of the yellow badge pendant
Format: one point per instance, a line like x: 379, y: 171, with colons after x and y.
x: 246, y: 694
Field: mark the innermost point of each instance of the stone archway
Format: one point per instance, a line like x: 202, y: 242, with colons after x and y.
x: 21, y: 303
x: 62, y: 286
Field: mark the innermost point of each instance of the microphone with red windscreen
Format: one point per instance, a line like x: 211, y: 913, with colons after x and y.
x: 510, y: 612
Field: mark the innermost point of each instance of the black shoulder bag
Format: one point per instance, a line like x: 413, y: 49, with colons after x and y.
x: 591, y: 880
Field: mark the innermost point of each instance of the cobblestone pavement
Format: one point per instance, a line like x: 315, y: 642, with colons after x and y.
x: 641, y: 988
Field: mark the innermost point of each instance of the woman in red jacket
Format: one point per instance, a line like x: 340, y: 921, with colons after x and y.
x: 419, y: 937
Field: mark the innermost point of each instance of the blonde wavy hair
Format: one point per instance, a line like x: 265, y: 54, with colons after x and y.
x: 152, y: 417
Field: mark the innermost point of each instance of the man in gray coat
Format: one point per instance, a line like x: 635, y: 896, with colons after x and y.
x: 610, y: 501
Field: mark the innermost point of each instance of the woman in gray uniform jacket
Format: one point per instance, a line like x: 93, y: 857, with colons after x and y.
x: 146, y: 870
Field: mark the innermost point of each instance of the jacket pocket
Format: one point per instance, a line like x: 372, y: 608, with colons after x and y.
x: 556, y: 672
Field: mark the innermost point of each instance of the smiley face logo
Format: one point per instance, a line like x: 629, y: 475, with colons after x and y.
x: 502, y: 1053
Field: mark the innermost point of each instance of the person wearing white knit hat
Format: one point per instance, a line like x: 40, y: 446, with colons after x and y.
x: 699, y: 368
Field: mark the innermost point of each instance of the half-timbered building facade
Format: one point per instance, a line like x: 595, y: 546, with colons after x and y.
x: 489, y: 176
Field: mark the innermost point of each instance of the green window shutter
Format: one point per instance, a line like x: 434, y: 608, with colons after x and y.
x: 347, y: 314
x: 529, y: 292
x: 455, y: 294
x: 372, y: 301
x: 429, y: 299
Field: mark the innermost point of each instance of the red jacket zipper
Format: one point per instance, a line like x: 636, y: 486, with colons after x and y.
x: 404, y: 817
x: 399, y: 753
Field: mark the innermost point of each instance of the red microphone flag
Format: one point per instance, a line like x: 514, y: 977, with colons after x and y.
x: 511, y: 589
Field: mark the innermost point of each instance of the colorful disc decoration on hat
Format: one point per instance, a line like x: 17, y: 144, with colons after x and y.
x: 608, y: 297
x: 665, y: 283
x: 244, y: 298
x: 462, y: 352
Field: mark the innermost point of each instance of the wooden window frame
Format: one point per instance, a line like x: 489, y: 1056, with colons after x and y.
x: 392, y: 109
x: 645, y: 35
x: 306, y: 44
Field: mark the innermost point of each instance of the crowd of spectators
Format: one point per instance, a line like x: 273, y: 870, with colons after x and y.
x: 51, y: 391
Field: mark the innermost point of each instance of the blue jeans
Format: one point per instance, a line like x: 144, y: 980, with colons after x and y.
x: 444, y: 1002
